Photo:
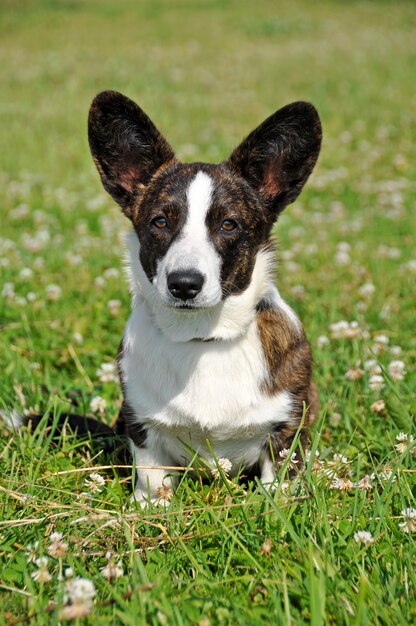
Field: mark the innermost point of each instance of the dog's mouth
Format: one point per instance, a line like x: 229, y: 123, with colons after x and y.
x: 187, y: 307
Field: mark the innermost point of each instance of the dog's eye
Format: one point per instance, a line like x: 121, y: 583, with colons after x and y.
x: 229, y: 225
x: 160, y: 221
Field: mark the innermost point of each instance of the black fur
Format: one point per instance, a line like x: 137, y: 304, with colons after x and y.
x: 279, y: 155
x: 126, y: 146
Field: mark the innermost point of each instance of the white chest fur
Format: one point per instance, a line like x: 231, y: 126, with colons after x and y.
x: 191, y: 392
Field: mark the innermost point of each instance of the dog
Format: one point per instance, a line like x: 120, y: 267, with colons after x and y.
x: 212, y: 361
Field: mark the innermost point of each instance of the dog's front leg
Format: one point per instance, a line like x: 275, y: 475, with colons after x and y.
x: 154, y: 485
x: 267, y: 470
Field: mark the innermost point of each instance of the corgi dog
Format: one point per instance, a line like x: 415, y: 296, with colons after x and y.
x: 212, y: 361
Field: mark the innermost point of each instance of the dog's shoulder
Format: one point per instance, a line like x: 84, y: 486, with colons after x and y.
x: 286, y: 350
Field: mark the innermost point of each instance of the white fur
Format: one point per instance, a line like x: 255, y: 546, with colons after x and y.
x: 193, y: 249
x: 150, y: 480
x: 229, y: 319
x: 193, y: 395
x: 189, y: 393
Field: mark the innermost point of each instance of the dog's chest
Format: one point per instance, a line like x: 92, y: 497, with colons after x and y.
x: 199, y: 390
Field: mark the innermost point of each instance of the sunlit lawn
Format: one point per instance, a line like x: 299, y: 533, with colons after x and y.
x: 207, y: 72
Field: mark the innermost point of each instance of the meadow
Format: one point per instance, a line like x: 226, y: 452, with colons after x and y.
x: 337, y: 545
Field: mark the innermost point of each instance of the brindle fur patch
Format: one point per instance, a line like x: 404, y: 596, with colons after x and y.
x: 289, y: 363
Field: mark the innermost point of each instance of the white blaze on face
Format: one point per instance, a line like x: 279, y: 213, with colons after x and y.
x: 193, y: 250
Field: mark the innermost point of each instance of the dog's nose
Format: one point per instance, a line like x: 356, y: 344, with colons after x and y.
x: 185, y: 285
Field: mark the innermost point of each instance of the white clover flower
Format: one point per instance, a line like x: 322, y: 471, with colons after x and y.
x: 225, y: 465
x: 78, y: 597
x: 367, y: 290
x: 298, y: 291
x: 26, y: 273
x: 395, y: 350
x: 99, y: 281
x: 335, y: 419
x: 98, y: 404
x: 410, y: 266
x: 404, y: 442
x: 164, y: 492
x: 322, y: 341
x: 39, y: 263
x: 107, y: 372
x: 57, y: 548
x: 366, y: 483
x: 284, y: 455
x: 337, y: 460
x: 354, y: 373
x: 409, y: 524
x: 41, y: 575
x: 372, y: 366
x: 380, y: 344
x: 317, y: 464
x: 32, y: 552
x: 389, y: 252
x: 53, y: 292
x: 376, y: 382
x: 111, y: 272
x: 20, y: 212
x: 114, y: 307
x: 337, y: 468
x: 73, y: 259
x: 292, y: 267
x: 112, y: 570
x: 95, y: 482
x: 378, y: 407
x: 396, y: 370
x: 343, y: 483
x: 342, y: 258
x: 343, y: 246
x: 364, y: 537
x: 345, y: 330
x: 78, y: 338
x: 386, y: 474
x: 339, y: 329
x: 8, y: 291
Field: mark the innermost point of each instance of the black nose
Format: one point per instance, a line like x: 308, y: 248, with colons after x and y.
x: 185, y: 285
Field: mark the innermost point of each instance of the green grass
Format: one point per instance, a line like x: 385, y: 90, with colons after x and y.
x: 207, y: 72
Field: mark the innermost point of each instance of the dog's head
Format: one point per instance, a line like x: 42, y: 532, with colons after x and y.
x: 200, y: 227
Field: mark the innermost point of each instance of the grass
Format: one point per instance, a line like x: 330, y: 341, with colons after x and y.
x: 207, y: 73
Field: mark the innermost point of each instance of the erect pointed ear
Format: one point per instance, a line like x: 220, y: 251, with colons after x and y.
x: 126, y: 146
x: 279, y: 155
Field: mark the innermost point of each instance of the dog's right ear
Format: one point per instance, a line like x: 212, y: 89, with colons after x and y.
x: 126, y: 147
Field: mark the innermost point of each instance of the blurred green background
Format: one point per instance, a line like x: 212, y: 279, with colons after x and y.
x: 207, y: 72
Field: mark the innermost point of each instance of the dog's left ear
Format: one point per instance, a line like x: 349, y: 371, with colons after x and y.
x: 279, y: 155
x: 126, y: 146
